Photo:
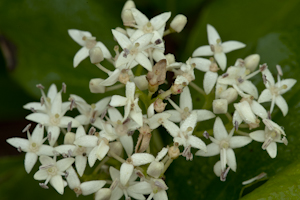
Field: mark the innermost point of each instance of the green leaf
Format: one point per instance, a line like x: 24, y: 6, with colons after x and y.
x: 272, y: 33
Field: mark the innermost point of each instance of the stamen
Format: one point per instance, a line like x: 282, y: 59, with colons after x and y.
x: 264, y: 79
x: 126, y: 52
x: 130, y: 133
x: 43, y: 185
x: 225, y: 75
x: 236, y: 125
x: 285, y: 141
x: 19, y: 149
x: 103, y: 114
x: 42, y: 100
x: 49, y: 136
x: 114, y: 184
x: 212, y: 48
x: 160, y: 185
x: 263, y: 67
x: 267, y: 143
x: 69, y: 126
x: 158, y: 41
x: 32, y: 110
x: 66, y: 174
x: 205, y: 134
x: 92, y: 131
x: 224, y: 174
x: 269, y: 115
x: 40, y: 86
x: 64, y: 87
x: 240, y: 80
x: 279, y: 70
x: 26, y: 128
x: 140, y: 174
x: 92, y: 120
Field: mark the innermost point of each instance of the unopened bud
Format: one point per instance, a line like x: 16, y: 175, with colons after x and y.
x: 96, y: 55
x: 69, y: 138
x: 178, y: 23
x: 121, y: 30
x: 116, y: 147
x: 103, y: 194
x: 251, y: 62
x: 159, y: 105
x: 229, y: 94
x: 174, y: 152
x: 170, y: 58
x: 220, y: 106
x: 141, y: 82
x: 155, y: 169
x: 95, y: 86
x: 127, y: 17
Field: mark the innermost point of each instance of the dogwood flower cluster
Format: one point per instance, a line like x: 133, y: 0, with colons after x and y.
x: 118, y: 136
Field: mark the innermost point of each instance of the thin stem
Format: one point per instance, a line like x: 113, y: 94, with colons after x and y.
x: 115, y: 156
x: 115, y: 87
x: 165, y: 94
x: 242, y: 133
x: 167, y: 165
x: 229, y: 117
x: 63, y: 130
x: 196, y: 87
x: 103, y: 161
x: 103, y: 68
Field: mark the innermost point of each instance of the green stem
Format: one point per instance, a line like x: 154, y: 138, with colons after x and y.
x: 103, y: 161
x: 115, y: 156
x: 196, y: 87
x: 167, y: 165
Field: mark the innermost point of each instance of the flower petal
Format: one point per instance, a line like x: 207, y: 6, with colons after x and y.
x: 212, y: 34
x: 258, y: 135
x: 106, y: 53
x: 231, y: 160
x: 265, y: 96
x: 57, y: 183
x: 80, y: 55
x: 19, y: 143
x: 203, y: 51
x: 249, y: 87
x: 118, y: 100
x: 201, y: 63
x: 127, y: 143
x: 239, y: 141
x: 77, y: 35
x: 211, y: 150
x: 30, y: 160
x: 229, y: 46
x: 281, y: 103
x: 220, y: 132
x: 209, y: 81
x: 141, y: 158
x: 91, y: 187
x: 125, y: 172
x: 186, y: 99
x: 221, y: 60
x: 144, y: 61
x: 122, y: 39
x: 80, y: 163
x: 160, y: 20
x: 64, y: 164
x: 139, y: 17
x: 72, y: 178
x: 196, y: 142
x: 272, y: 149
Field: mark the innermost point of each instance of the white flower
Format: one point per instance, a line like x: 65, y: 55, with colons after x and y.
x: 86, y: 188
x: 54, y: 119
x: 223, y: 144
x: 145, y: 26
x: 131, y: 108
x: 269, y: 137
x: 79, y: 152
x: 155, y: 168
x: 183, y: 135
x: 87, y: 41
x: 217, y: 48
x: 133, y: 52
x: 185, y: 108
x: 133, y: 188
x: 274, y: 91
x: 33, y: 146
x: 51, y: 171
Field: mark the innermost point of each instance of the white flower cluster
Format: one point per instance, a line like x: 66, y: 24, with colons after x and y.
x: 102, y: 132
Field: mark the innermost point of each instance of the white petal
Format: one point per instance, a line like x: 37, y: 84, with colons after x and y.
x: 30, y: 160
x: 231, y: 161
x: 92, y: 156
x: 125, y: 173
x: 141, y: 158
x: 201, y: 63
x: 288, y: 82
x: 91, y: 187
x: 196, y: 142
x: 57, y: 183
x: 265, y: 96
x: 144, y: 40
x: 161, y: 195
x: 239, y: 141
x: 80, y: 55
x: 38, y: 118
x: 220, y: 132
x: 38, y: 134
x: 114, y: 173
x: 236, y: 118
x: 102, y: 150
x: 139, y: 17
x: 80, y: 132
x: 127, y: 143
x: 209, y: 81
x: 190, y: 121
x: 229, y: 46
x: 272, y: 149
x: 221, y: 60
x: 162, y: 154
x: 118, y: 100
x: 172, y: 128
x: 175, y: 116
x: 250, y: 88
x: 46, y: 160
x: 72, y: 178
x: 211, y: 150
x: 150, y: 110
x: 217, y: 168
x: 36, y: 106
x: 258, y: 135
x: 203, y: 51
x: 64, y: 149
x: 269, y: 77
x: 112, y: 79
x: 102, y: 105
x: 203, y: 115
x: 259, y: 110
x: 281, y: 103
x: 212, y: 34
x: 55, y: 131
x: 52, y: 91
x: 160, y: 20
x: 19, y: 143
x: 64, y: 164
x: 77, y: 35
x: 65, y: 120
x: 137, y: 116
x: 186, y: 99
x: 106, y: 53
x: 40, y: 175
x: 130, y: 90
x: 45, y: 150
x: 87, y: 141
x: 80, y: 163
x: 141, y: 188
x: 144, y: 61
x: 114, y: 114
x: 122, y: 39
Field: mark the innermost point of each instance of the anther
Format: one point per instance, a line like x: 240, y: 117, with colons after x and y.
x: 40, y: 86
x: 19, y: 149
x: 64, y: 87
x: 224, y: 174
x: 49, y: 136
x: 92, y: 131
x: 263, y: 67
x: 66, y: 174
x: 205, y: 134
x: 265, y: 79
x: 26, y: 128
x: 225, y: 75
x: 103, y: 114
x: 284, y: 140
x: 43, y: 185
x: 236, y: 125
x: 158, y: 41
x: 42, y: 100
x: 32, y: 110
x: 269, y: 115
x: 279, y: 70
x: 240, y: 80
x: 69, y: 126
x: 212, y: 48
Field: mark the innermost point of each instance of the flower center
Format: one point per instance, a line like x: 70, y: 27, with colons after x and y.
x: 134, y: 49
x: 121, y: 129
x: 224, y: 144
x: 185, y: 113
x: 52, y: 171
x: 55, y: 120
x: 148, y: 28
x: 34, y: 147
x: 276, y: 90
x: 90, y: 42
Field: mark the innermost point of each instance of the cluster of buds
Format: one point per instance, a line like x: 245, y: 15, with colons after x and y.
x: 101, y: 133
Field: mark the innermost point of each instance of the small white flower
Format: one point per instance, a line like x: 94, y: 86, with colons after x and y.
x: 274, y: 91
x: 273, y: 133
x: 217, y: 48
x: 33, y: 146
x: 185, y: 108
x: 87, y: 41
x: 131, y: 108
x: 51, y: 171
x: 223, y: 144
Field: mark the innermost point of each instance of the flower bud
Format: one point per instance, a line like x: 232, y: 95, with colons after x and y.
x: 128, y: 5
x: 103, y: 194
x: 174, y: 152
x: 170, y: 58
x: 121, y: 30
x: 155, y: 169
x: 251, y: 62
x: 141, y: 82
x: 178, y: 23
x: 159, y: 105
x: 229, y: 94
x: 69, y: 138
x: 220, y: 106
x: 95, y: 86
x: 96, y: 55
x: 116, y: 147
x: 127, y: 17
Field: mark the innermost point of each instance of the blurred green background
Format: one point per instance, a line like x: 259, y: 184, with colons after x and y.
x: 35, y: 48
